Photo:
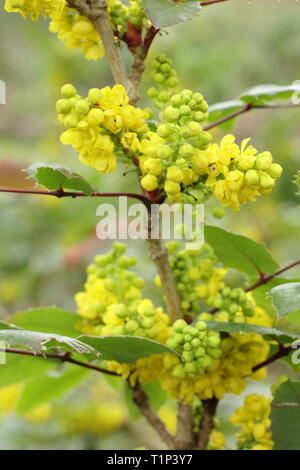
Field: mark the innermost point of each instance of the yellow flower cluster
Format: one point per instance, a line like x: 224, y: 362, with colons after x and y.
x: 216, y: 440
x: 8, y: 397
x: 97, y: 122
x: 40, y: 414
x: 237, y: 174
x: 112, y: 303
x: 99, y: 420
x: 254, y: 423
x: 240, y: 352
x: 77, y: 31
x: 35, y: 8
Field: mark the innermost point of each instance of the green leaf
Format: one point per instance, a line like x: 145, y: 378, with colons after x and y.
x: 163, y: 13
x: 285, y: 416
x: 125, y: 349
x: 49, y: 388
x: 47, y: 320
x: 285, y: 336
x: 286, y: 298
x: 263, y: 94
x: 240, y: 252
x: 41, y: 342
x: 7, y: 326
x: 19, y: 368
x: 55, y: 177
x: 260, y: 293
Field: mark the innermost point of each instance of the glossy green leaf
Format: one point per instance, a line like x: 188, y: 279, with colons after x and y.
x: 163, y: 13
x: 42, y: 342
x: 125, y: 349
x: 240, y: 252
x: 264, y: 94
x: 55, y: 177
x: 47, y: 320
x: 286, y: 337
x: 285, y: 416
x: 286, y: 298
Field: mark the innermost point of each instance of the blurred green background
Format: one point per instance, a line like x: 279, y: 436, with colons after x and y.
x: 46, y: 244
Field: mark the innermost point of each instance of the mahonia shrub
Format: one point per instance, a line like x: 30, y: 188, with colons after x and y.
x: 200, y: 333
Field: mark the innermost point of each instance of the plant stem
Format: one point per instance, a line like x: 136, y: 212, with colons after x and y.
x: 211, y: 2
x: 245, y: 109
x: 97, y: 13
x: 185, y: 437
x: 264, y: 279
x: 141, y: 400
x: 207, y: 422
x: 74, y: 194
x: 160, y: 256
x: 64, y: 357
x: 282, y: 352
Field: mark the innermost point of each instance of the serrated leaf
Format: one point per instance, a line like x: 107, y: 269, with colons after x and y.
x: 163, y: 13
x: 41, y: 342
x: 46, y: 389
x: 55, y: 177
x: 285, y: 416
x: 19, y: 368
x: 47, y: 320
x: 260, y: 293
x: 125, y: 349
x: 263, y: 94
x: 285, y: 298
x: 240, y: 252
x: 285, y: 336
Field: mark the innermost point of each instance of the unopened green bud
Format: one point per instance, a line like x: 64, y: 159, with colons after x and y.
x: 252, y: 177
x: 63, y: 106
x: 68, y: 91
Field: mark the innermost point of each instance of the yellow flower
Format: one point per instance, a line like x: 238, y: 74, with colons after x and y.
x: 216, y: 440
x: 40, y: 414
x: 254, y: 423
x: 77, y: 31
x: 34, y: 8
x: 8, y: 397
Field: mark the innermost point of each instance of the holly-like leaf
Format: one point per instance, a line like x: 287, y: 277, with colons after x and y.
x: 163, y: 13
x: 285, y: 337
x: 285, y: 298
x: 125, y: 349
x: 55, y: 177
x: 264, y: 94
x: 47, y: 320
x: 240, y: 252
x: 285, y: 416
x: 46, y: 389
x: 42, y: 342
